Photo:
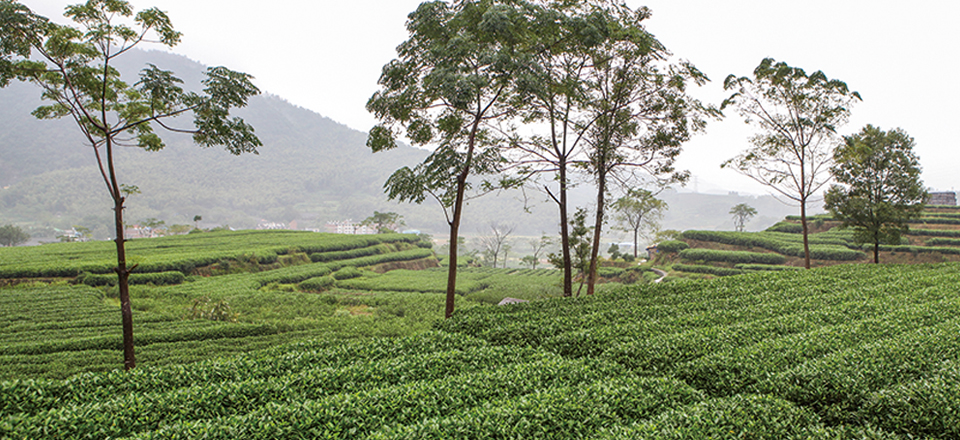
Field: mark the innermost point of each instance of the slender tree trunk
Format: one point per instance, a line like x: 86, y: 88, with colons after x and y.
x: 597, y: 229
x: 876, y: 247
x: 455, y: 222
x: 636, y: 243
x: 565, y: 232
x: 454, y: 231
x: 123, y: 274
x: 806, y: 233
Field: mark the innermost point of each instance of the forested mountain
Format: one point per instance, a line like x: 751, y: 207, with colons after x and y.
x: 310, y: 169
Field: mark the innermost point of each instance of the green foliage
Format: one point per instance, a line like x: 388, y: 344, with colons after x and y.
x: 937, y: 241
x: 353, y: 253
x: 754, y: 267
x: 75, y: 67
x: 785, y: 226
x: 486, y: 285
x: 752, y: 416
x: 732, y: 256
x: 672, y: 246
x: 579, y: 245
x: 205, y: 308
x: 384, y: 222
x: 186, y: 253
x: 346, y: 273
x: 882, y: 190
x: 711, y: 270
x: 934, y: 232
x: 449, y: 89
x: 11, y: 235
x: 844, y: 352
x: 156, y: 278
x: 267, y: 306
x: 614, y: 251
x: 317, y: 284
x: 834, y: 246
x: 667, y: 235
x: 921, y: 249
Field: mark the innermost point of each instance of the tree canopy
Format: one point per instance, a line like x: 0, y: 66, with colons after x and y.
x: 880, y: 187
x: 797, y: 116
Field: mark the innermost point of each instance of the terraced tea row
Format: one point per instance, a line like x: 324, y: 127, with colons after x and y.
x: 185, y: 253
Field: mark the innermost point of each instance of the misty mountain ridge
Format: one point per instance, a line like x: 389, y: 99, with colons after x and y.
x: 310, y: 169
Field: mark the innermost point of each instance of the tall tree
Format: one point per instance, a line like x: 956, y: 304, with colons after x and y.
x: 551, y: 98
x: 798, y: 116
x: 495, y: 243
x: 742, y: 213
x: 538, y: 246
x: 75, y: 69
x: 881, y: 189
x: 639, y: 210
x: 384, y: 222
x: 11, y: 235
x: 638, y: 110
x: 448, y: 89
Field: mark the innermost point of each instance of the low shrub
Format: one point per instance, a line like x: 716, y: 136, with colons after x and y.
x: 788, y: 227
x: 318, y: 284
x: 920, y: 249
x: 732, y: 256
x: 937, y: 241
x: 672, y: 246
x: 746, y: 266
x: 609, y: 272
x: 934, y: 232
x: 346, y: 273
x: 711, y: 270
x: 157, y: 278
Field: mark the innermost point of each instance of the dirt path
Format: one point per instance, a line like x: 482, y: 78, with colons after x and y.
x: 659, y: 272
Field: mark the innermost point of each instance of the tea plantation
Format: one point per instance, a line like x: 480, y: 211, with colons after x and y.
x: 843, y: 352
x: 931, y: 238
x: 219, y: 294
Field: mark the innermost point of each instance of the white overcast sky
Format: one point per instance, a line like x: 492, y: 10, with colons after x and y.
x: 326, y: 55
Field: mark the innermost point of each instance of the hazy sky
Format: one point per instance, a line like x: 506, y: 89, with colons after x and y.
x: 326, y: 56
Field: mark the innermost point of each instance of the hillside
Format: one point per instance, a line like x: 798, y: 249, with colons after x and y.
x: 310, y: 168
x: 845, y: 352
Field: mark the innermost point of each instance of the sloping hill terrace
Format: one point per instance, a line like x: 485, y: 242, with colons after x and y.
x: 204, y: 295
x: 197, y: 296
x: 935, y: 237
